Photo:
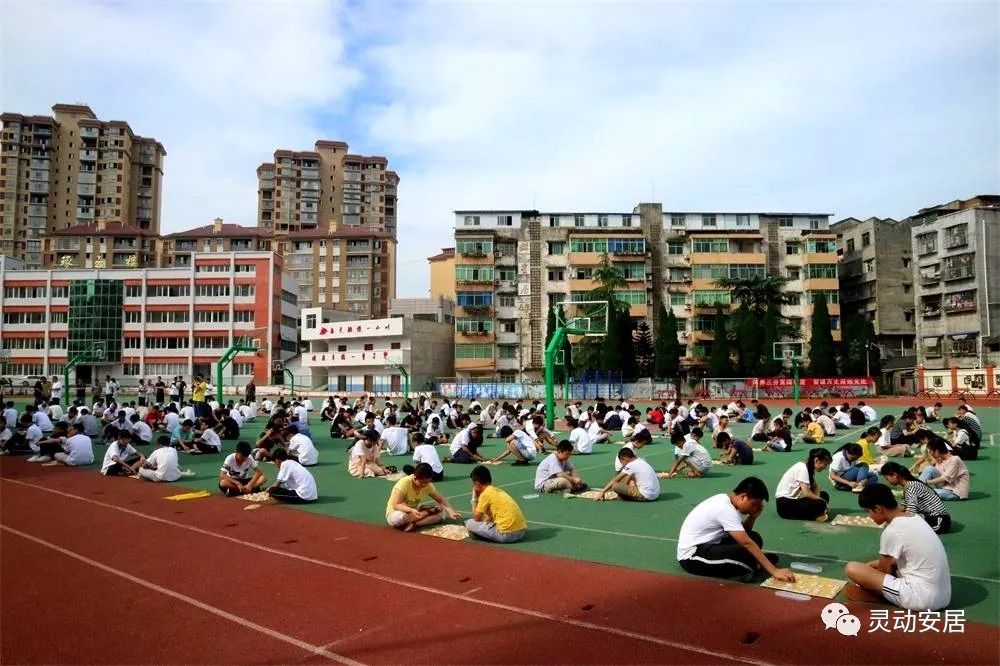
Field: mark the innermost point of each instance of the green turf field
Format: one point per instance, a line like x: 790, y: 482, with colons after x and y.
x: 644, y: 535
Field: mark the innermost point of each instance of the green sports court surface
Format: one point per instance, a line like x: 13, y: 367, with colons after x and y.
x: 644, y: 535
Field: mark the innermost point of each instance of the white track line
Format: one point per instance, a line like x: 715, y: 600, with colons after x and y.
x: 581, y: 624
x: 242, y: 622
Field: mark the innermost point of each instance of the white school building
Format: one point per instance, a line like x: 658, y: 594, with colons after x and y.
x: 372, y: 355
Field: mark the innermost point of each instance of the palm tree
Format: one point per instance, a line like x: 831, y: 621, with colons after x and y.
x: 759, y: 292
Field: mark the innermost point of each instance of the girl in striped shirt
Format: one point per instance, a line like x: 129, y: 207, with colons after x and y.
x: 918, y: 497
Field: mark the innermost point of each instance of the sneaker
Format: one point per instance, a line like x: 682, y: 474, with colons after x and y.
x: 34, y: 458
x: 44, y: 459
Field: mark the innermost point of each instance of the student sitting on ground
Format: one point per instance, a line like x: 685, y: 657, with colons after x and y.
x: 692, y: 455
x: 121, y: 458
x: 182, y: 438
x: 522, y: 445
x: 636, y: 482
x: 813, y: 431
x: 294, y: 483
x: 465, y: 445
x: 240, y: 474
x: 495, y: 515
x: 598, y: 435
x: 142, y: 434
x: 847, y: 472
x: 918, y: 497
x: 207, y: 440
x: 24, y: 438
x: 780, y: 437
x: 912, y: 569
x: 405, y: 509
x: 424, y: 452
x: 162, y: 464
x: 841, y: 418
x: 798, y: 496
x: 949, y: 477
x: 734, y: 451
x: 579, y: 437
x: 395, y: 438
x: 867, y: 444
x: 364, y: 457
x: 959, y: 440
x: 556, y: 472
x: 300, y: 447
x: 51, y: 444
x: 884, y: 445
x: 716, y: 540
x: 759, y: 431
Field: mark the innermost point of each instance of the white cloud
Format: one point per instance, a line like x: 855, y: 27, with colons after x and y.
x: 837, y: 108
x: 847, y: 108
x: 221, y: 85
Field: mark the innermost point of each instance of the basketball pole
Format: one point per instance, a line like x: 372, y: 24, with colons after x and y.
x: 795, y: 380
x: 555, y: 344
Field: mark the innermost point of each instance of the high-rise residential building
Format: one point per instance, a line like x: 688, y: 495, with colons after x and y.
x: 512, y: 266
x: 72, y: 169
x: 351, y: 268
x: 442, y: 266
x: 326, y: 189
x: 151, y: 321
x: 956, y: 250
x: 876, y: 280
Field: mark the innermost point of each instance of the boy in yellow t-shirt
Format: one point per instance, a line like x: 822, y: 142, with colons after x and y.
x: 495, y: 514
x: 814, y: 431
x: 406, y: 509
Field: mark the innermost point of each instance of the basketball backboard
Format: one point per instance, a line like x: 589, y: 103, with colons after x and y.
x: 588, y: 318
x: 98, y: 352
x: 788, y: 351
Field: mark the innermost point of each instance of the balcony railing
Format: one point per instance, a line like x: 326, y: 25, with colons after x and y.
x: 959, y: 273
x: 932, y: 311
x: 956, y: 240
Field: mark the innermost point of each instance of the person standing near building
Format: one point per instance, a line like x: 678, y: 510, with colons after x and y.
x: 159, y: 386
x: 56, y: 390
x: 81, y: 391
x: 251, y: 392
x: 181, y: 387
x: 198, y: 389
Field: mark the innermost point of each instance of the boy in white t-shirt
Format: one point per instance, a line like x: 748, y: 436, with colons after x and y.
x: 522, y: 445
x: 300, y: 446
x: 912, y: 569
x: 294, y: 483
x: 207, y: 441
x: 240, y: 474
x: 579, y: 437
x: 692, y: 455
x: 395, y: 439
x: 636, y: 482
x: 121, y: 458
x: 424, y: 452
x: 162, y: 465
x: 717, y: 538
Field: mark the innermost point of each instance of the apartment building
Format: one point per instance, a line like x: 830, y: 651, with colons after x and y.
x: 956, y: 248
x: 327, y: 188
x: 428, y: 309
x: 70, y: 169
x: 351, y: 268
x: 374, y: 355
x: 876, y: 279
x: 512, y: 266
x: 442, y: 273
x: 152, y: 321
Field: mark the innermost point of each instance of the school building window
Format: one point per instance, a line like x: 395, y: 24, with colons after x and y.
x: 473, y: 273
x: 557, y: 248
x: 243, y: 369
x: 821, y: 271
x: 711, y: 298
x: 710, y: 245
x: 467, y: 299
x: 507, y: 352
x: 473, y: 326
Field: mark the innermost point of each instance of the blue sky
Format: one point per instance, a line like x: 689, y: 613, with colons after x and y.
x: 849, y: 108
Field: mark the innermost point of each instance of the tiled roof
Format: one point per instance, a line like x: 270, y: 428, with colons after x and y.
x: 227, y: 230
x: 446, y: 253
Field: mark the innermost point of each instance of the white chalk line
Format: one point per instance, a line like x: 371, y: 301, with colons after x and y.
x: 581, y: 624
x: 238, y: 620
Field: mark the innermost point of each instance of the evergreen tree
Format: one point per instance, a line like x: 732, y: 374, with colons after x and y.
x: 666, y: 349
x: 768, y: 366
x: 749, y: 329
x: 719, y: 363
x: 858, y: 351
x: 822, y: 355
x: 644, y: 352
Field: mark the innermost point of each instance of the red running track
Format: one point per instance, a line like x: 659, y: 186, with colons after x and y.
x: 98, y: 570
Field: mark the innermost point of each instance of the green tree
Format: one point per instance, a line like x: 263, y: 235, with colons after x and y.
x: 858, y: 350
x: 758, y: 296
x: 719, y: 363
x: 768, y: 366
x: 616, y: 351
x: 644, y: 351
x: 667, y: 350
x: 822, y: 355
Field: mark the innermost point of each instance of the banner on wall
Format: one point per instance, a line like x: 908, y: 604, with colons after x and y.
x: 825, y: 383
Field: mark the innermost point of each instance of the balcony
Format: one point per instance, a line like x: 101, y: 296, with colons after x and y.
x: 88, y: 155
x: 66, y: 244
x: 85, y: 177
x: 124, y: 244
x: 930, y: 277
x: 506, y: 286
x: 960, y: 273
x: 38, y: 187
x: 931, y: 309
